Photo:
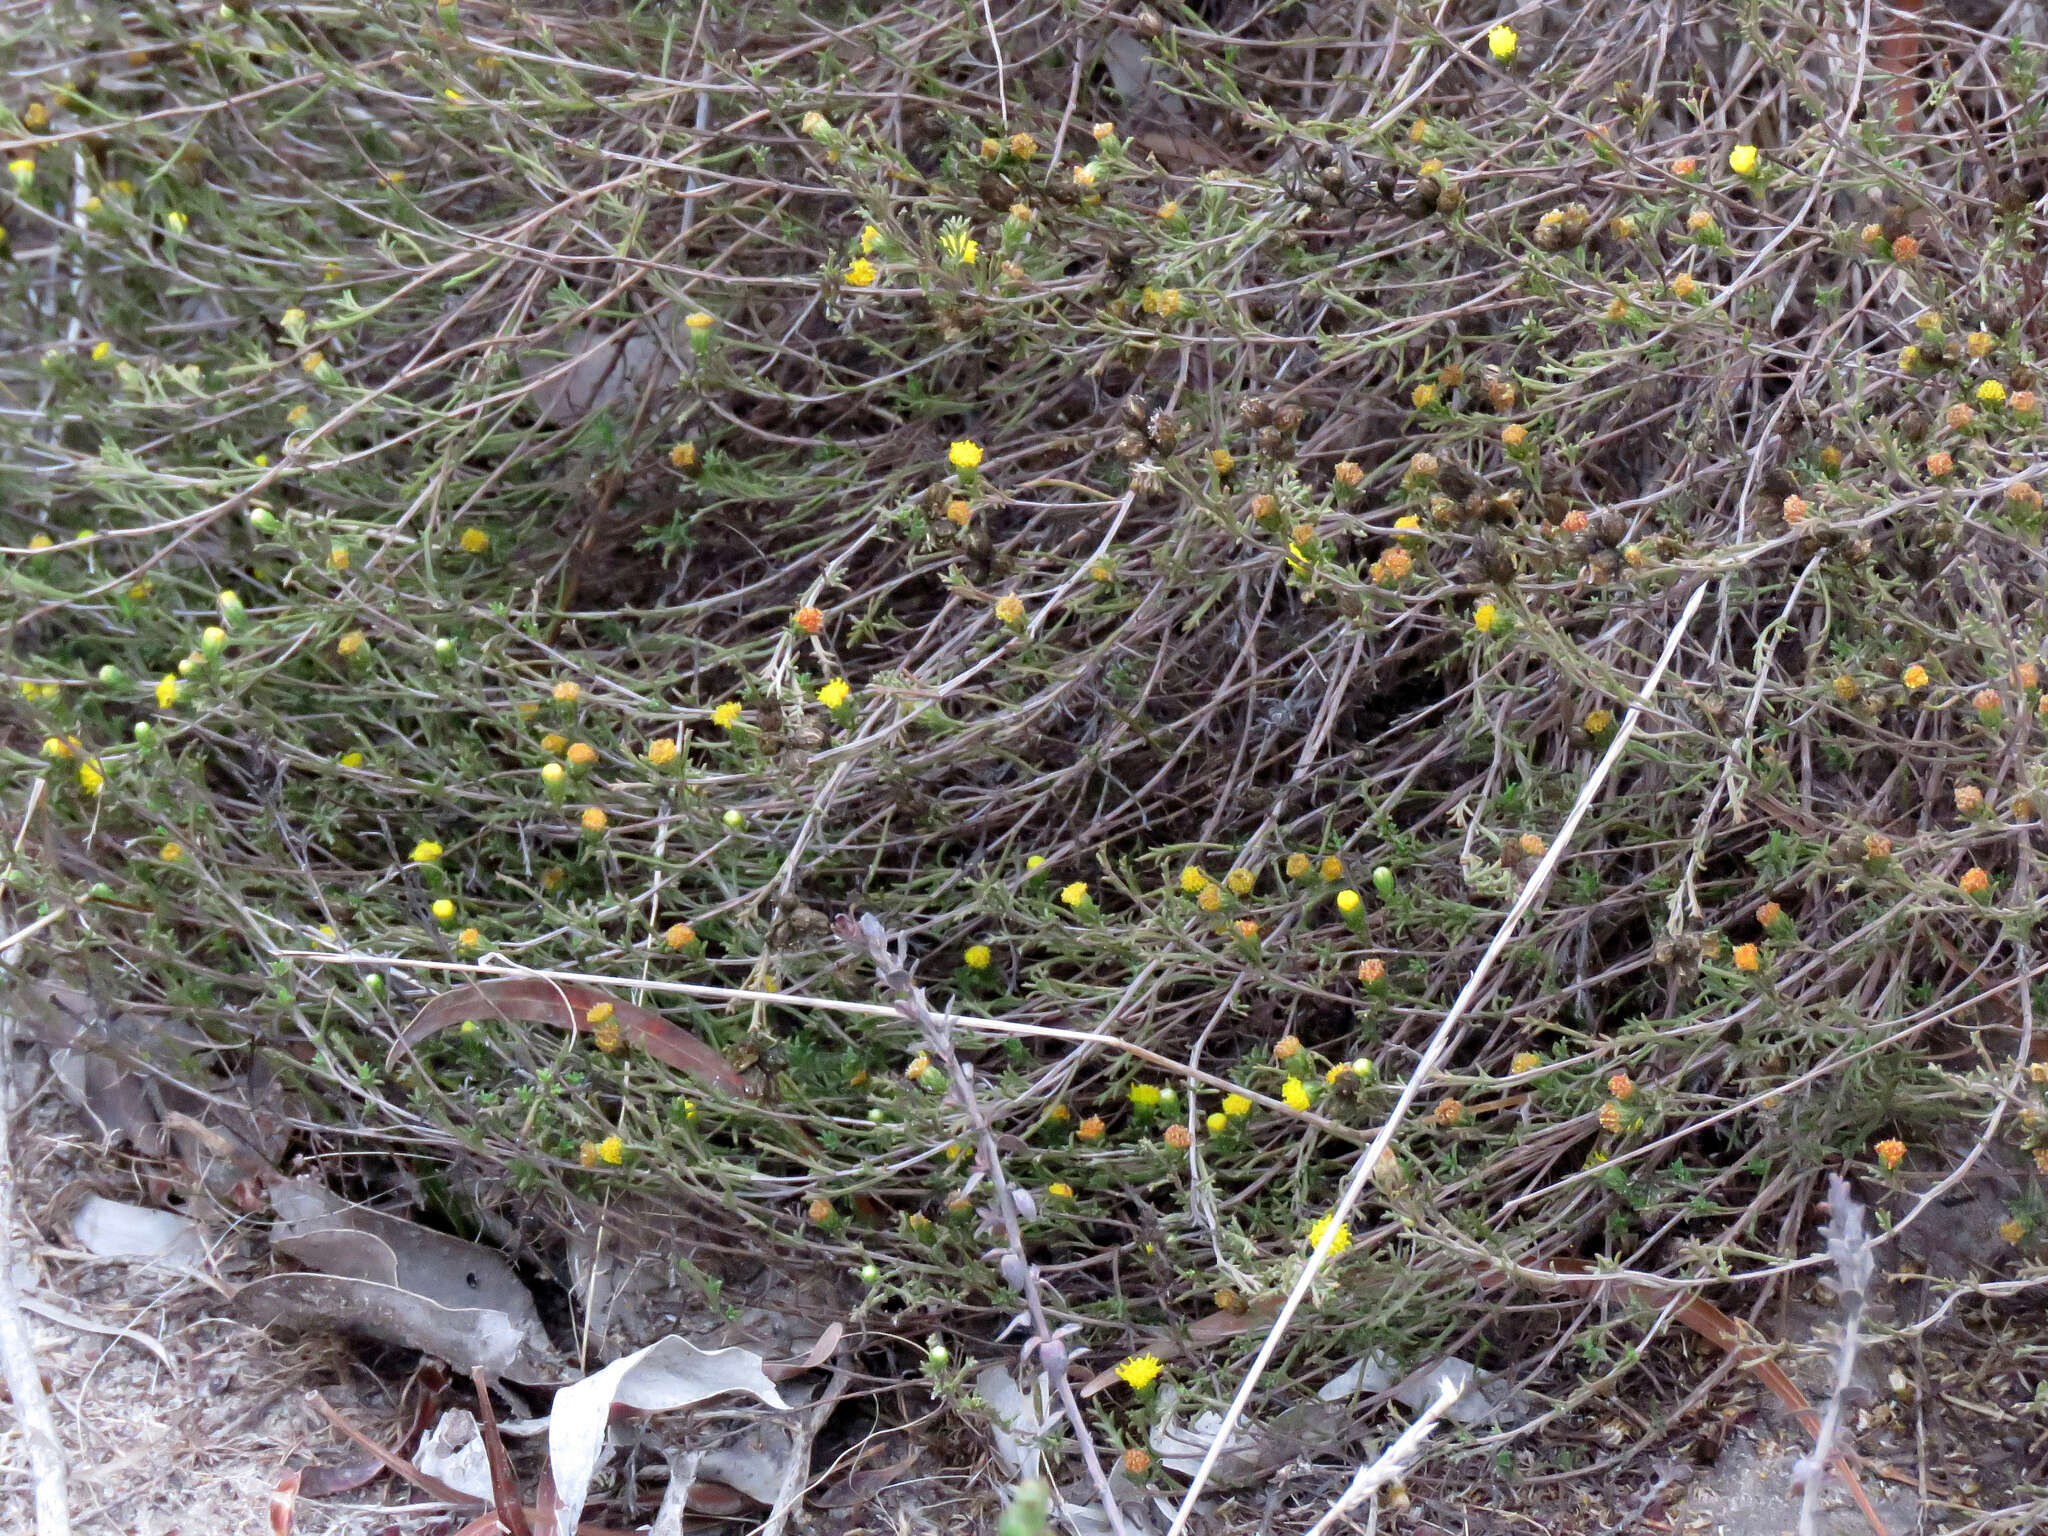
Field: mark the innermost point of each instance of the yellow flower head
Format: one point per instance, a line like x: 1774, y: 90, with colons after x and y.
x: 167, y: 692
x: 1349, y: 901
x: 1742, y: 159
x: 90, y: 779
x: 978, y: 957
x: 1338, y: 1243
x: 1914, y: 676
x: 1525, y: 1061
x: 1484, y: 617
x: 1145, y: 1095
x: 1501, y: 43
x: 1891, y: 1152
x: 960, y: 247
x: 1139, y: 1372
x: 1236, y: 1105
x: 469, y: 938
x: 1010, y: 608
x: 425, y: 851
x: 1991, y: 392
x: 699, y: 322
x: 834, y: 693
x: 1076, y: 895
x: 1240, y: 882
x: 1294, y: 1095
x: 860, y: 273
x: 1193, y: 881
x: 964, y: 454
x: 661, y: 752
x: 1332, y: 869
x: 475, y: 541
x: 679, y: 936
x: 870, y: 237
x: 566, y: 693
x: 594, y: 819
x: 611, y: 1150
x: 726, y: 715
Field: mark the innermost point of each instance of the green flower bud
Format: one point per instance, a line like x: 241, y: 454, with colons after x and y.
x: 1383, y: 882
x: 112, y: 676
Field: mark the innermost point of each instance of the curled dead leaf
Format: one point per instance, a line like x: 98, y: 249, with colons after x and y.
x: 567, y: 1005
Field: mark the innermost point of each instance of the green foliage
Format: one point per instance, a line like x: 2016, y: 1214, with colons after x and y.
x: 569, y: 402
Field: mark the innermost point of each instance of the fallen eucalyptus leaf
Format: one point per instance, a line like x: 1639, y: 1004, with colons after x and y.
x: 668, y: 1374
x: 468, y: 1338
x: 114, y: 1230
x: 455, y: 1453
x: 567, y: 1005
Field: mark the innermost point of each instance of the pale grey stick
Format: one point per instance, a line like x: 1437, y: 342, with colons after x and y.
x: 24, y: 1380
x: 1849, y: 1247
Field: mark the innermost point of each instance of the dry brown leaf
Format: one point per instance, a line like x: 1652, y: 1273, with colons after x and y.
x: 567, y: 1005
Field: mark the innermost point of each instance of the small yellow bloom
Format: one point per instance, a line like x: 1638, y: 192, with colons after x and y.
x: 102, y: 350
x: 1139, y: 1372
x: 726, y: 715
x: 661, y: 752
x: 1890, y: 1152
x: 426, y: 851
x: 337, y: 557
x: 1240, y: 882
x: 1501, y: 43
x: 1236, y: 1105
x: 964, y: 454
x: 683, y: 456
x: 552, y: 775
x: 1294, y: 1094
x: 1338, y: 1243
x: 352, y: 643
x: 679, y: 936
x: 56, y: 746
x: 1349, y: 901
x: 469, y: 939
x: 1210, y: 898
x: 1424, y: 396
x: 1748, y: 958
x: 960, y: 247
x: 1742, y: 159
x: 834, y: 693
x: 1010, y: 608
x: 1332, y: 869
x: 860, y: 273
x: 1076, y: 895
x: 1484, y: 617
x: 1299, y: 865
x: 1217, y: 1123
x: 699, y: 322
x: 1023, y: 146
x: 1598, y: 722
x: 594, y: 819
x: 1525, y: 1061
x: 870, y: 237
x: 170, y: 853
x: 1914, y: 676
x: 90, y: 779
x: 474, y: 541
x: 978, y: 957
x: 1145, y: 1095
x: 566, y: 693
x: 611, y: 1150
x: 443, y: 910
x: 350, y: 759
x: 1991, y: 392
x: 167, y: 692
